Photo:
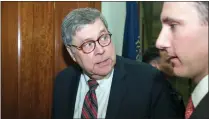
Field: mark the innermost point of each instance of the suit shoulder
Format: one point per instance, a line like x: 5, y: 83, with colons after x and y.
x: 137, y: 66
x: 66, y: 74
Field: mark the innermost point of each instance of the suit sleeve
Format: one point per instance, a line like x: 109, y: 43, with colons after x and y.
x: 163, y: 105
x: 55, y: 98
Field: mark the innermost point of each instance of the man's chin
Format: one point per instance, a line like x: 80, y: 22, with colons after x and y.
x: 101, y: 73
x: 178, y: 71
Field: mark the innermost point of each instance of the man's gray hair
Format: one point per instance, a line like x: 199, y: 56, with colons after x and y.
x: 202, y: 8
x: 76, y: 19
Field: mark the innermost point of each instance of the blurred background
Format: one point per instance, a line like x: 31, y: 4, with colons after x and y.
x: 32, y: 52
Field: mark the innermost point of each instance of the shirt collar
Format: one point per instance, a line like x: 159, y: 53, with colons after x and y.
x: 200, y: 91
x: 101, y: 82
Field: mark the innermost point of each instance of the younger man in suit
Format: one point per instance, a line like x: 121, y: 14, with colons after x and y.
x: 184, y: 36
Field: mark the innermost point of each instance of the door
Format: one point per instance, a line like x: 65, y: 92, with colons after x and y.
x: 32, y: 55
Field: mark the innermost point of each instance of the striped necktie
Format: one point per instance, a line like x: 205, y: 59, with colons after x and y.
x: 189, y: 109
x: 90, y: 106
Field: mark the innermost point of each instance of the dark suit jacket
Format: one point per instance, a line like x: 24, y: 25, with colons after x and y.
x: 138, y: 91
x: 202, y: 109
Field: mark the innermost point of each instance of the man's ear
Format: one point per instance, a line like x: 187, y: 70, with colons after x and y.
x: 72, y: 54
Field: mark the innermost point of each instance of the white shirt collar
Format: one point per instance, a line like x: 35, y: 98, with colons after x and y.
x: 200, y: 91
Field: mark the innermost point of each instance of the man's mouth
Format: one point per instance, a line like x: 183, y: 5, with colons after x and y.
x: 171, y: 60
x: 103, y: 63
x: 171, y: 57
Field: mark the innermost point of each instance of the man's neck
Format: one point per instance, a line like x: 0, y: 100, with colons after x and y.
x: 198, y: 78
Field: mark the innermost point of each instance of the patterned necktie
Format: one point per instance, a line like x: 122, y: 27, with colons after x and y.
x: 189, y: 109
x: 90, y: 106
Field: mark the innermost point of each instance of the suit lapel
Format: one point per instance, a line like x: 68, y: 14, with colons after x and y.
x: 73, y: 92
x: 117, y: 91
x: 201, y: 111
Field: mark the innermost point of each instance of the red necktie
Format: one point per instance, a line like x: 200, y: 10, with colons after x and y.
x: 90, y: 106
x: 189, y: 109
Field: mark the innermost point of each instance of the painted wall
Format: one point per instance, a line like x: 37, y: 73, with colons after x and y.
x: 115, y: 13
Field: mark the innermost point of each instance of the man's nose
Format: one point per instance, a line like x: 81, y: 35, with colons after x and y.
x: 163, y: 40
x: 99, y: 49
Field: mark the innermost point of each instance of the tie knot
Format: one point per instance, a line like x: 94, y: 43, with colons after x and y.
x: 92, y: 84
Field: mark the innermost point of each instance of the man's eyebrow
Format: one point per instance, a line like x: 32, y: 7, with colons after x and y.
x: 168, y: 20
x: 103, y: 30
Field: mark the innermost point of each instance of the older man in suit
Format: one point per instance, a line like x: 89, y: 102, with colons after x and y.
x: 184, y: 36
x: 101, y: 84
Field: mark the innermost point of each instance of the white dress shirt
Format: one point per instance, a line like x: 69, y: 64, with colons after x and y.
x: 200, y: 91
x: 102, y: 94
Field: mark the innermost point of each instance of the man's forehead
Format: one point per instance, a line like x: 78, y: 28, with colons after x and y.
x: 89, y: 35
x: 176, y: 10
x: 172, y: 7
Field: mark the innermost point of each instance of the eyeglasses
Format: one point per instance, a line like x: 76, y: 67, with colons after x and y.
x: 89, y: 46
